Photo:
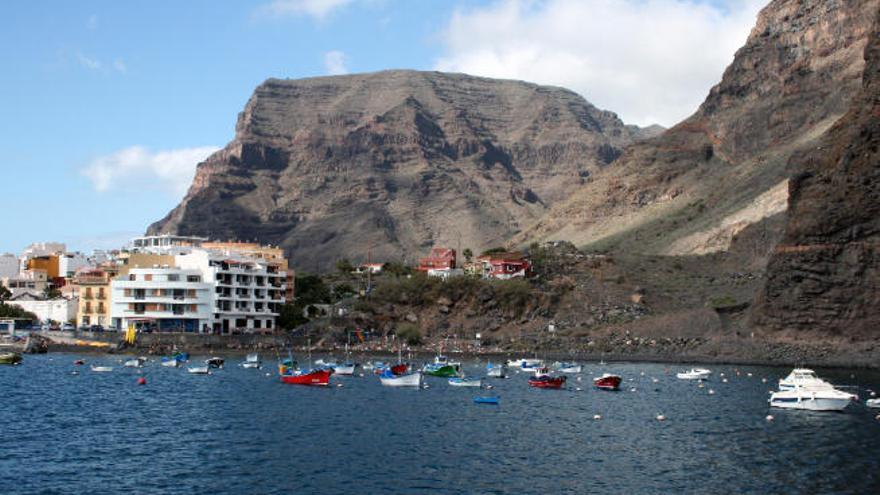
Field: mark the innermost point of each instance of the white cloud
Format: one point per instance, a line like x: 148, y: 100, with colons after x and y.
x: 92, y: 23
x: 334, y: 63
x: 651, y: 61
x: 136, y: 166
x: 318, y: 9
x: 88, y: 62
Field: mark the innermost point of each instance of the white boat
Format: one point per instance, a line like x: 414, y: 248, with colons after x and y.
x: 524, y: 363
x: 134, y: 363
x: 215, y: 362
x: 571, y: 368
x: 251, y: 361
x: 812, y: 399
x: 542, y: 371
x: 408, y: 380
x: 465, y: 382
x: 197, y: 370
x: 803, y: 378
x: 102, y: 369
x: 875, y: 403
x: 496, y: 370
x: 694, y: 374
x: 171, y: 363
x: 345, y: 369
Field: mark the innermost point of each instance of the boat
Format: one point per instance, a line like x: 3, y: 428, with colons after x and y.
x: 251, y: 361
x: 547, y: 381
x: 179, y: 357
x: 572, y: 368
x: 525, y: 363
x: 197, y: 370
x: 542, y: 371
x: 215, y: 362
x: 389, y: 379
x: 135, y: 363
x: 873, y: 403
x: 10, y: 358
x: 170, y: 363
x: 694, y: 374
x: 486, y: 400
x: 812, y: 399
x: 79, y: 362
x: 346, y: 369
x: 316, y: 377
x: 102, y: 369
x: 442, y: 367
x: 465, y: 382
x: 607, y: 382
x: 496, y: 370
x: 803, y: 378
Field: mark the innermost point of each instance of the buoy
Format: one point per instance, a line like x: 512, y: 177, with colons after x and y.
x: 873, y: 394
x: 749, y: 375
x: 769, y: 417
x: 338, y: 385
x: 74, y: 372
x: 268, y: 374
x: 763, y: 380
x: 711, y: 392
x: 426, y: 386
x: 361, y: 375
x: 632, y: 389
x: 724, y: 380
x: 661, y: 417
x: 489, y: 387
x: 700, y: 385
x: 642, y: 373
x: 654, y: 380
x: 597, y: 417
x: 578, y: 389
x: 141, y: 381
x: 722, y: 374
x: 578, y: 378
x: 877, y: 417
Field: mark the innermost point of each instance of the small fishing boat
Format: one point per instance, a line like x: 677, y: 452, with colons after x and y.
x: 389, y: 379
x: 102, y: 369
x: 346, y: 369
x: 197, y: 370
x: 547, y: 381
x: 314, y: 377
x: 572, y: 368
x: 251, y: 361
x: 170, y: 363
x: 496, y: 370
x: 873, y: 403
x: 465, y: 382
x: 607, y: 382
x: 215, y: 362
x: 135, y: 363
x: 812, y: 399
x: 178, y: 357
x: 542, y: 371
x: 10, y: 358
x: 525, y: 363
x: 486, y: 400
x: 694, y: 374
x: 442, y: 367
x: 79, y: 362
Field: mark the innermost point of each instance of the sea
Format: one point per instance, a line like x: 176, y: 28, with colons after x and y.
x: 69, y: 430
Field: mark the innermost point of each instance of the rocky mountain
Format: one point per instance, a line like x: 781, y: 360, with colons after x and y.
x: 697, y: 186
x: 390, y: 163
x: 824, y: 274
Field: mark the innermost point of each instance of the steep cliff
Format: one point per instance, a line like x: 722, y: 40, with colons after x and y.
x: 390, y: 163
x: 824, y: 274
x: 692, y: 189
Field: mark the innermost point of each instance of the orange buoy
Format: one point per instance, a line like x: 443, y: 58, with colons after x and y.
x: 142, y: 381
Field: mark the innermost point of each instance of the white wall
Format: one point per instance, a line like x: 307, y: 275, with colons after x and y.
x: 61, y: 310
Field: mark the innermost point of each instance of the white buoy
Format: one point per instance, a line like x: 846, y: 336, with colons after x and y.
x: 769, y: 417
x: 361, y: 375
x: 877, y: 417
x: 632, y: 389
x: 577, y: 389
x: 338, y: 385
x: 74, y: 372
x: 426, y: 386
x: 268, y: 374
x: 642, y: 373
x: 661, y: 417
x: 654, y: 380
x: 873, y: 394
x: 763, y: 380
x: 722, y: 375
x: 597, y: 417
x: 578, y: 378
x: 724, y: 380
x: 711, y: 392
x: 749, y: 375
x: 489, y: 387
x: 700, y: 385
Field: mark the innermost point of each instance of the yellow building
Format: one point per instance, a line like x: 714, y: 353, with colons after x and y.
x: 49, y: 263
x: 93, y: 287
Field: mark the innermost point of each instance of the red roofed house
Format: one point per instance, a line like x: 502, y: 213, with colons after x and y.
x: 505, y: 265
x: 439, y: 259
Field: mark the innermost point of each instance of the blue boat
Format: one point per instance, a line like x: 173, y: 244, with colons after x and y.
x: 486, y: 400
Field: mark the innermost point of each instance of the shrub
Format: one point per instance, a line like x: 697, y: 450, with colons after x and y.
x: 410, y: 333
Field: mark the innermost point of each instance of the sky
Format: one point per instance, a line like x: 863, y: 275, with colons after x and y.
x: 108, y: 106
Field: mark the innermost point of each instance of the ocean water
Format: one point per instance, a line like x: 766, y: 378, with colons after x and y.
x: 239, y: 431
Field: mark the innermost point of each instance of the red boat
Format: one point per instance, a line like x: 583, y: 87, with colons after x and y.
x: 318, y: 377
x: 547, y: 381
x: 607, y: 382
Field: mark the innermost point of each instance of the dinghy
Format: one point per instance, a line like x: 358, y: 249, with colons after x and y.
x: 197, y: 370
x: 465, y: 382
x: 102, y: 369
x: 389, y: 379
x: 486, y: 400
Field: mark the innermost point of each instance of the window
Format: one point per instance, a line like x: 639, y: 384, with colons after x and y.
x: 148, y: 277
x: 193, y: 278
x: 132, y: 277
x: 173, y: 277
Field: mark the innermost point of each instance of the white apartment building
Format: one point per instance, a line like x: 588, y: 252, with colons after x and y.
x: 9, y: 265
x: 163, y: 298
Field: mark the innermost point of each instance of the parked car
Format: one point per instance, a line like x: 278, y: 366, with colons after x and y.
x: 96, y: 328
x: 67, y: 327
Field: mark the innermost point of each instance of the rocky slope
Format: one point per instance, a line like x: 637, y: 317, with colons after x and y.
x: 692, y: 189
x: 394, y: 162
x: 824, y: 274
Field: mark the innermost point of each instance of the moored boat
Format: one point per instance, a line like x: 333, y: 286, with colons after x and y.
x: 694, y: 374
x: 524, y: 363
x: 389, y: 379
x: 572, y: 368
x: 607, y: 382
x: 170, y: 363
x: 496, y: 370
x: 314, y: 377
x: 215, y: 362
x: 10, y: 358
x: 442, y: 367
x: 135, y: 363
x: 345, y: 369
x: 547, y: 381
x: 812, y: 399
x: 465, y: 382
x: 102, y: 369
x: 251, y: 361
x: 197, y: 370
x: 487, y: 400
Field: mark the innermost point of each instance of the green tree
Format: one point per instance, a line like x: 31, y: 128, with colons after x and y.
x: 5, y: 293
x: 468, y: 254
x: 410, y: 333
x: 344, y: 266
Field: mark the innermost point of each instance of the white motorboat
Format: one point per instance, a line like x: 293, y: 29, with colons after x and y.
x: 251, y: 361
x: 874, y: 403
x: 197, y: 370
x: 215, y: 362
x: 171, y: 363
x: 135, y: 363
x: 409, y: 380
x: 812, y: 399
x: 571, y: 368
x: 694, y: 374
x: 525, y: 363
x: 803, y: 378
x: 345, y: 369
x: 465, y: 382
x: 102, y: 369
x: 496, y: 370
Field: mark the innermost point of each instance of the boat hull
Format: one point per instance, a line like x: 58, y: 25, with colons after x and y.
x: 809, y: 404
x: 464, y: 382
x: 250, y: 364
x: 446, y: 371
x: 547, y: 382
x: 495, y: 372
x: 171, y: 363
x: 345, y: 370
x: 10, y: 358
x: 410, y: 380
x: 608, y: 382
x: 316, y: 378
x: 198, y: 370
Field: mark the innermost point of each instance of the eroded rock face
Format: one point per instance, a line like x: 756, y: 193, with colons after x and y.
x: 795, y: 76
x: 393, y: 162
x: 824, y: 274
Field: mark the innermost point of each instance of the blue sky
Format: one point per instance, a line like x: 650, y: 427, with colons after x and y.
x: 108, y: 105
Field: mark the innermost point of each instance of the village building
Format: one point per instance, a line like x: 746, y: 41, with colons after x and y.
x: 502, y: 266
x: 440, y: 258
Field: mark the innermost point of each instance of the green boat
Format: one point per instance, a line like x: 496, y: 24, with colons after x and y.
x: 442, y: 367
x: 10, y: 358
